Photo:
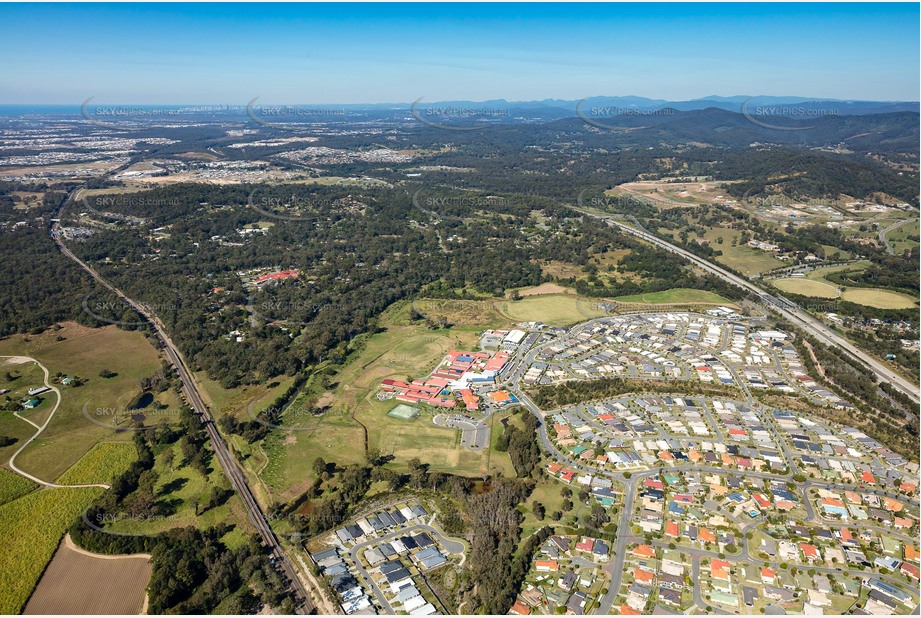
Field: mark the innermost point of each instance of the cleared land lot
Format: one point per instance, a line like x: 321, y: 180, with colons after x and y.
x: 745, y: 259
x: 553, y: 309
x: 807, y: 287
x: 676, y: 295
x: 545, y: 288
x: 77, y: 582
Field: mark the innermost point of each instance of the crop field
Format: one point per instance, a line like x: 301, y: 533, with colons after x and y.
x: 807, y: 287
x: 102, y: 464
x: 30, y: 529
x: 83, y: 352
x: 675, y: 296
x: 12, y: 486
x: 553, y: 309
x: 77, y: 582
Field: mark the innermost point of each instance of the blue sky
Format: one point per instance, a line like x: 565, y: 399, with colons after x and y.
x: 367, y: 53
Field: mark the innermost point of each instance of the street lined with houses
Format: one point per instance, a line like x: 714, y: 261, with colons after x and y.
x: 712, y: 488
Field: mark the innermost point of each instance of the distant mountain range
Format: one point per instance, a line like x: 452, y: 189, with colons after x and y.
x: 548, y: 109
x: 758, y: 106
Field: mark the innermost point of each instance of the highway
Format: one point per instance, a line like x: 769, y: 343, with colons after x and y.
x: 785, y: 308
x: 193, y: 397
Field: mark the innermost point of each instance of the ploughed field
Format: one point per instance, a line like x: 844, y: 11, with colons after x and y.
x: 77, y: 582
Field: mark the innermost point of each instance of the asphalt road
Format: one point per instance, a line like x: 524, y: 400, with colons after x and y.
x: 631, y: 485
x: 883, y: 232
x: 792, y: 313
x: 452, y: 547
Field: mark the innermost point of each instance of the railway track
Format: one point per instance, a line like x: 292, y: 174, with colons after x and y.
x: 193, y: 398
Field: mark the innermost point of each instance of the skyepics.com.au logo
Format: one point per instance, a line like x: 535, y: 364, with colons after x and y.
x: 295, y: 417
x: 145, y: 522
x: 767, y: 116
x: 131, y: 209
x: 124, y: 116
x: 290, y: 117
x: 138, y: 417
x: 616, y: 204
x: 779, y: 200
x: 300, y: 526
x: 287, y: 312
x: 452, y: 117
x: 434, y: 205
x: 103, y: 310
x: 297, y: 208
x: 604, y: 116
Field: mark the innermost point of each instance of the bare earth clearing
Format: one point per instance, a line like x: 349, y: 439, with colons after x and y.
x: 78, y: 582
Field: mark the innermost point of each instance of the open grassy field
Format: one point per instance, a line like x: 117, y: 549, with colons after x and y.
x: 815, y: 285
x: 807, y: 287
x: 75, y: 350
x: 12, y: 486
x: 547, y: 492
x: 182, y: 488
x: 553, y: 309
x: 286, y: 467
x: 881, y: 299
x: 747, y: 260
x: 77, y: 582
x: 404, y: 349
x: 24, y: 376
x: 463, y: 312
x: 819, y: 274
x: 676, y: 295
x: 30, y: 529
x: 102, y: 464
x: 899, y: 237
x: 235, y: 400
